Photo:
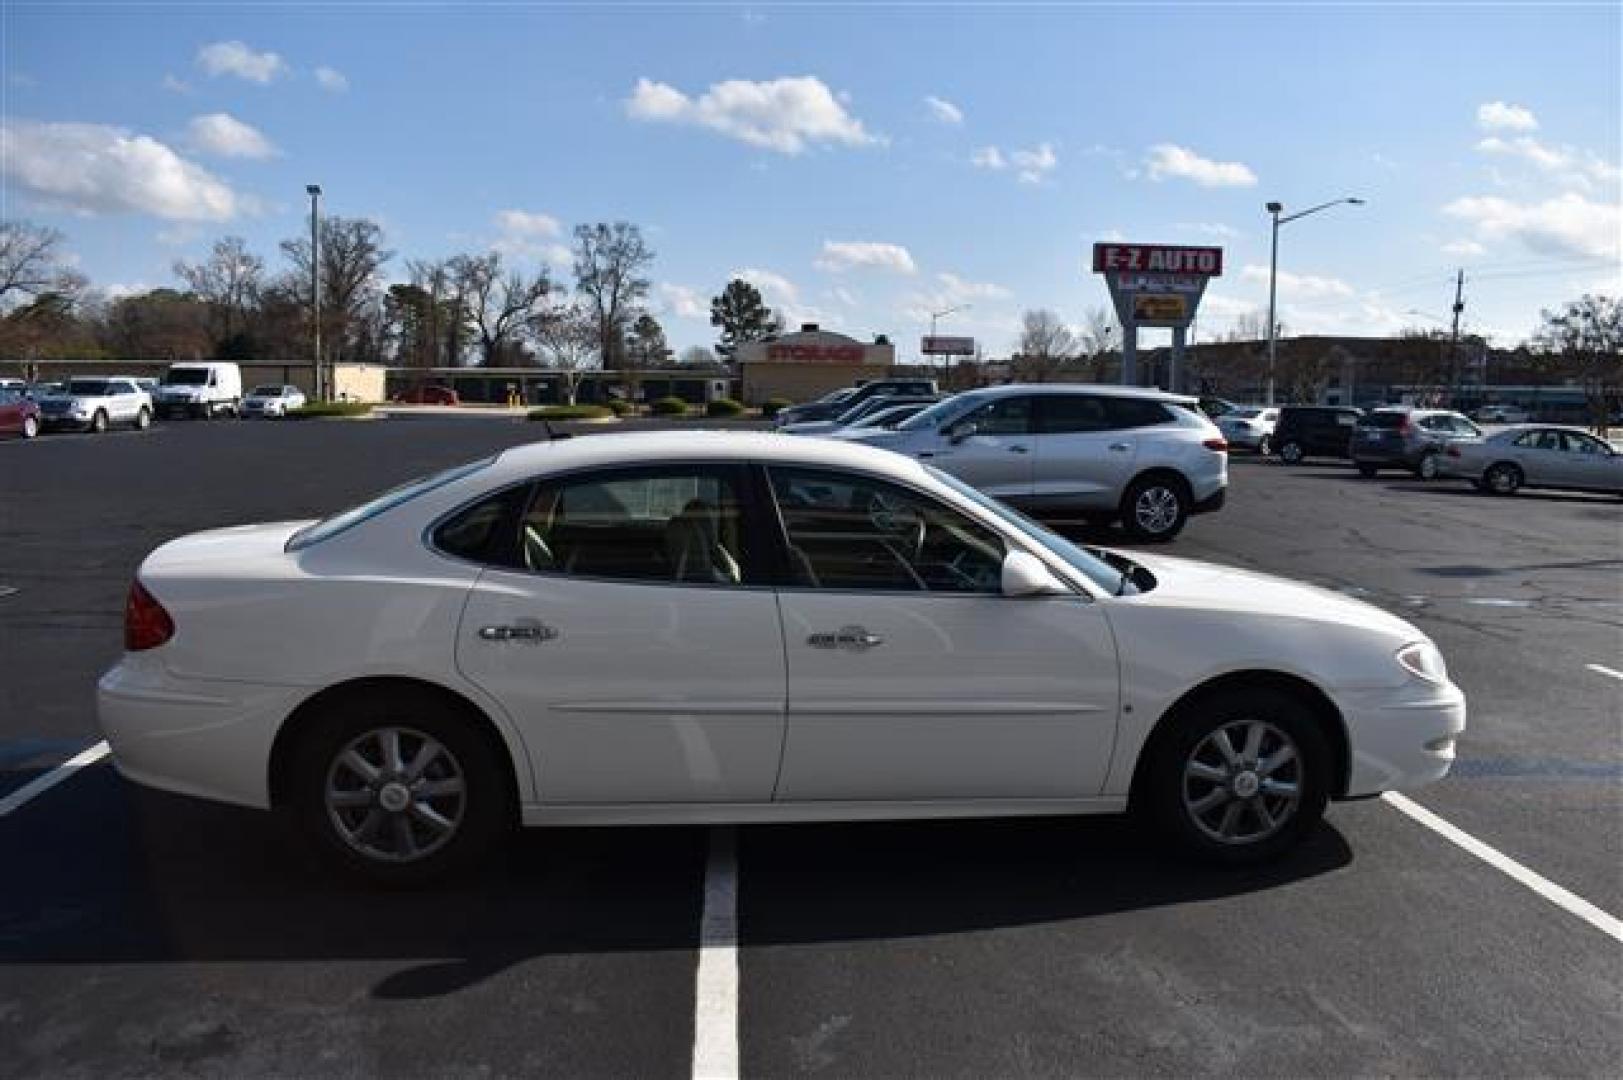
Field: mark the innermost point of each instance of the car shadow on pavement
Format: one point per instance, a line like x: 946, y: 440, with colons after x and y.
x: 102, y: 872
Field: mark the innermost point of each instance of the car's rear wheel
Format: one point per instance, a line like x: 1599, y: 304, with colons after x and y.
x: 1155, y: 508
x: 1503, y: 478
x: 1367, y: 471
x: 30, y: 427
x: 1427, y: 469
x: 143, y: 420
x: 399, y: 789
x: 1291, y: 453
x: 1243, y: 776
x: 98, y: 423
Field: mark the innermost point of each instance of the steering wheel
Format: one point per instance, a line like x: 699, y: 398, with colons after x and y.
x: 903, y: 523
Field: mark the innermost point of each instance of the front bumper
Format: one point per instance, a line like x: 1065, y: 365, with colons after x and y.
x: 206, y: 738
x: 1401, y: 739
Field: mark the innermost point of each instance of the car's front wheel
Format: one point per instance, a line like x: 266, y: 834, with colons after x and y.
x: 1502, y: 479
x: 1427, y: 469
x: 143, y: 420
x: 98, y: 423
x: 1155, y: 508
x: 1244, y: 775
x: 398, y: 789
x: 1291, y: 453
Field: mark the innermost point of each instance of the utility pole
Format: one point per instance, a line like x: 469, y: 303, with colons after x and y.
x: 323, y: 391
x: 1454, y: 335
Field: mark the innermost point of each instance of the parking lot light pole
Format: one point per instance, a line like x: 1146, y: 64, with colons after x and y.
x: 314, y: 191
x: 1274, y: 208
x: 934, y: 315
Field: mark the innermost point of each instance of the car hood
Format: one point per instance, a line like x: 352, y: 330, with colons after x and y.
x: 1190, y: 583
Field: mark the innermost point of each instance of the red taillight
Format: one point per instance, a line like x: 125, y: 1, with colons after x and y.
x: 1404, y: 427
x: 146, y: 624
x: 1220, y: 445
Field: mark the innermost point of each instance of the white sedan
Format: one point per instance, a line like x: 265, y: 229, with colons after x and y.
x: 271, y: 400
x: 730, y: 627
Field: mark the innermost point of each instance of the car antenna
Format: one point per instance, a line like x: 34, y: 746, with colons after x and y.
x: 554, y: 436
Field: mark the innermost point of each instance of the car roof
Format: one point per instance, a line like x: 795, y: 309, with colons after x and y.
x: 1142, y: 393
x: 722, y: 447
x: 1520, y: 429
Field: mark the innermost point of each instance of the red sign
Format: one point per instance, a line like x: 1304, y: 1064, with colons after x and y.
x: 1157, y: 259
x: 815, y: 354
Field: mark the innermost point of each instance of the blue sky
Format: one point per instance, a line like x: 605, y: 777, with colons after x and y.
x: 865, y: 165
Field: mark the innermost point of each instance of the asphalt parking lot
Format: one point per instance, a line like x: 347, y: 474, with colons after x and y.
x: 144, y: 934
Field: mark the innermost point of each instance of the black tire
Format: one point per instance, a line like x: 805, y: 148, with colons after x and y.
x: 1155, y: 508
x: 1367, y: 471
x: 98, y: 423
x: 1503, y: 478
x: 143, y: 420
x: 1172, y: 792
x: 1291, y: 453
x: 480, y: 814
x: 30, y: 427
x: 1427, y: 469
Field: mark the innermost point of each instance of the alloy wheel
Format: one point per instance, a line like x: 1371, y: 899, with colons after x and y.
x: 1156, y: 509
x: 1242, y: 783
x: 395, y: 794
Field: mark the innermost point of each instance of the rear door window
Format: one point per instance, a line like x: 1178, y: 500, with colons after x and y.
x: 1064, y: 414
x: 1126, y: 413
x: 1386, y: 421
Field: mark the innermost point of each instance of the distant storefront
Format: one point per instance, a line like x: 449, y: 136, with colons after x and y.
x: 808, y: 364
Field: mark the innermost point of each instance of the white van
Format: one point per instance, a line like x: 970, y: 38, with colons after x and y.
x: 201, y: 388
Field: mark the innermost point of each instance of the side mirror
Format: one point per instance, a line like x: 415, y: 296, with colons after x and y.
x: 1025, y: 575
x: 959, y: 432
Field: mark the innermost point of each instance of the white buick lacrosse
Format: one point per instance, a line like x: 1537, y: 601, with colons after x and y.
x: 715, y: 627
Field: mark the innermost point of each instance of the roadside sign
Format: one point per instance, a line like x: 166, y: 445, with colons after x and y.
x: 1160, y: 308
x: 1157, y: 259
x: 1155, y: 285
x: 948, y: 346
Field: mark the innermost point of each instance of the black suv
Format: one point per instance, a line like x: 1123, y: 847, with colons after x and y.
x: 827, y: 408
x: 1305, y: 431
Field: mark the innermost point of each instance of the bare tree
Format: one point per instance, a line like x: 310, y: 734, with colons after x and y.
x: 352, y: 254
x: 32, y: 263
x: 1046, y: 345
x: 1583, y: 341
x: 229, y: 281
x: 567, y: 335
x: 1093, y: 339
x: 610, y: 261
x: 498, y: 305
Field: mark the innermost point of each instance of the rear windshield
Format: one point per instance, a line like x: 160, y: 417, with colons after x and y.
x: 329, y: 527
x: 266, y: 391
x: 186, y: 377
x: 88, y: 387
x: 1391, y: 421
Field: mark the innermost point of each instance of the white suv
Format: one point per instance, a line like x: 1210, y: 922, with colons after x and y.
x: 96, y: 404
x: 1142, y: 456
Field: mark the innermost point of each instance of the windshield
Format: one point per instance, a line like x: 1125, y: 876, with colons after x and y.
x: 186, y: 377
x: 329, y: 527
x: 942, y: 411
x: 88, y: 387
x: 1083, y: 561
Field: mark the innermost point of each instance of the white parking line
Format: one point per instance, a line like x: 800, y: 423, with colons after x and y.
x: 1604, y: 670
x: 1609, y: 925
x: 41, y: 784
x: 715, y: 999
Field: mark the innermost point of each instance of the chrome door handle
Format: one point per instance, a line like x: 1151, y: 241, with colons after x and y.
x: 850, y: 638
x: 922, y: 454
x: 1019, y: 449
x: 1121, y: 446
x: 532, y: 632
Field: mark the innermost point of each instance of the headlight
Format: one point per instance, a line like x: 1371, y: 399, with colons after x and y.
x: 1423, y: 661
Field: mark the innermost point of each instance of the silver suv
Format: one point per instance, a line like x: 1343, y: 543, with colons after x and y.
x: 96, y: 404
x: 1142, y: 456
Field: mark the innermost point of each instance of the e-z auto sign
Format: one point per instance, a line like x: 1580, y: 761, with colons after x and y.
x: 1157, y: 259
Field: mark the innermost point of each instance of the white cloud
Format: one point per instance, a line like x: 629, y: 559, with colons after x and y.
x: 840, y: 255
x: 1167, y: 159
x: 118, y: 290
x: 1498, y: 116
x: 331, y: 80
x: 1299, y: 286
x: 1032, y: 165
x: 94, y: 168
x: 1571, y: 167
x: 1468, y: 248
x: 1568, y: 224
x: 943, y: 110
x: 784, y: 115
x: 1527, y: 147
x: 236, y: 58
x: 174, y: 85
x: 683, y: 302
x: 989, y: 157
x: 1210, y: 228
x: 224, y: 135
x: 528, y: 223
x: 958, y: 290
x: 781, y: 295
x: 843, y: 295
x: 953, y: 291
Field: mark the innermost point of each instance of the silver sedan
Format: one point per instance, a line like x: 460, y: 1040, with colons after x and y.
x: 1535, y: 455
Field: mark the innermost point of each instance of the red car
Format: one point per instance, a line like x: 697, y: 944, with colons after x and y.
x: 428, y: 395
x: 18, y: 415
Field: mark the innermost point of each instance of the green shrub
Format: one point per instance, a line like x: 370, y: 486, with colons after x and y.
x: 571, y: 412
x: 773, y: 406
x: 618, y: 407
x: 723, y: 406
x: 317, y: 410
x: 669, y: 406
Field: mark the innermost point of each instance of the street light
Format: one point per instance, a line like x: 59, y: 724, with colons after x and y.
x: 314, y: 191
x: 1274, y: 208
x: 934, y: 315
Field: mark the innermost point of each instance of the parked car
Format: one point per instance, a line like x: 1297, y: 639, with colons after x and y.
x: 1145, y: 457
x: 13, y: 384
x: 40, y: 391
x: 1401, y: 437
x: 271, y: 400
x: 200, y: 389
x: 841, y: 634
x: 97, y: 404
x: 426, y: 394
x: 19, y: 415
x: 1541, y: 456
x: 1501, y: 414
x: 1249, y: 427
x: 1304, y: 431
x: 1215, y: 407
x: 856, y: 413
x: 832, y: 405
